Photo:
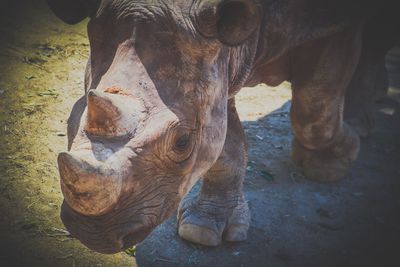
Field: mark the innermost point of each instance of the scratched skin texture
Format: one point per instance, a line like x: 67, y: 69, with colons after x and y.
x: 159, y: 111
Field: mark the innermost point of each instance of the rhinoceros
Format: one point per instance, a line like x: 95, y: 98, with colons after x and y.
x: 159, y: 113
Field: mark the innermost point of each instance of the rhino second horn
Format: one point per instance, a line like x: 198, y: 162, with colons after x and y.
x: 88, y: 188
x: 102, y: 114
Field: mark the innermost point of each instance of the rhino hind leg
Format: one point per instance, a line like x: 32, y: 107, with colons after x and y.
x: 329, y: 164
x: 324, y: 146
x: 220, y: 211
x: 369, y: 83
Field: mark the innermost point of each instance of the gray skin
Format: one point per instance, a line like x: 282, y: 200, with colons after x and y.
x: 159, y: 111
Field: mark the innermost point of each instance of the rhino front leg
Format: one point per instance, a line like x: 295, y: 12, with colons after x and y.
x: 324, y: 145
x: 220, y: 210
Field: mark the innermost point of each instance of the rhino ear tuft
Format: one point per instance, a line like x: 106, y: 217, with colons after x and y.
x: 231, y: 21
x: 73, y: 11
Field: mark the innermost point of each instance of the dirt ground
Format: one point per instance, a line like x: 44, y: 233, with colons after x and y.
x: 295, y: 222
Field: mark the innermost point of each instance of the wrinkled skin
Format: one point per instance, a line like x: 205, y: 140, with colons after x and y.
x: 159, y: 110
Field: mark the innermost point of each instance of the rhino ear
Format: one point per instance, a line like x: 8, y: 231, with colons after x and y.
x: 231, y: 21
x: 73, y: 11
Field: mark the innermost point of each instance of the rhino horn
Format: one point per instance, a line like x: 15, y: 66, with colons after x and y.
x: 102, y: 114
x: 90, y: 188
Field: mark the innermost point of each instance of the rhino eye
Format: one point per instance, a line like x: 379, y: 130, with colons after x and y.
x: 182, y: 143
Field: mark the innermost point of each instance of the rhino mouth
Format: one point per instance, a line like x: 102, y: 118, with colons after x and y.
x: 104, y: 234
x: 133, y: 238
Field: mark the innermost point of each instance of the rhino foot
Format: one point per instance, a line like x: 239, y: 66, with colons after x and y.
x: 330, y: 164
x: 208, y: 221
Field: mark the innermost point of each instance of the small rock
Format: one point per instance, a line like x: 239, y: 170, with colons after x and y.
x: 267, y: 175
x: 236, y: 253
x: 29, y: 226
x: 2, y: 91
x: 283, y: 255
x: 330, y: 227
x: 324, y: 213
x: 259, y: 137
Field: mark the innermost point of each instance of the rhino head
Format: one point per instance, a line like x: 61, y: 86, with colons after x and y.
x: 154, y: 116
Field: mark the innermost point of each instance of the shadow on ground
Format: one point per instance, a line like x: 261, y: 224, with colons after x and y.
x: 295, y: 222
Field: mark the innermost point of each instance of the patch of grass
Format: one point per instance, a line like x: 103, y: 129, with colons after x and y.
x: 131, y: 251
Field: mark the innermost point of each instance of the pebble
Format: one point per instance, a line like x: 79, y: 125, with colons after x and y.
x: 259, y: 137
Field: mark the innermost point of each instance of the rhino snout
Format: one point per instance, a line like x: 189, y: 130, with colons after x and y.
x: 89, y: 188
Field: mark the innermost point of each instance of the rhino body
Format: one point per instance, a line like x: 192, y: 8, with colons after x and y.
x: 159, y: 107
